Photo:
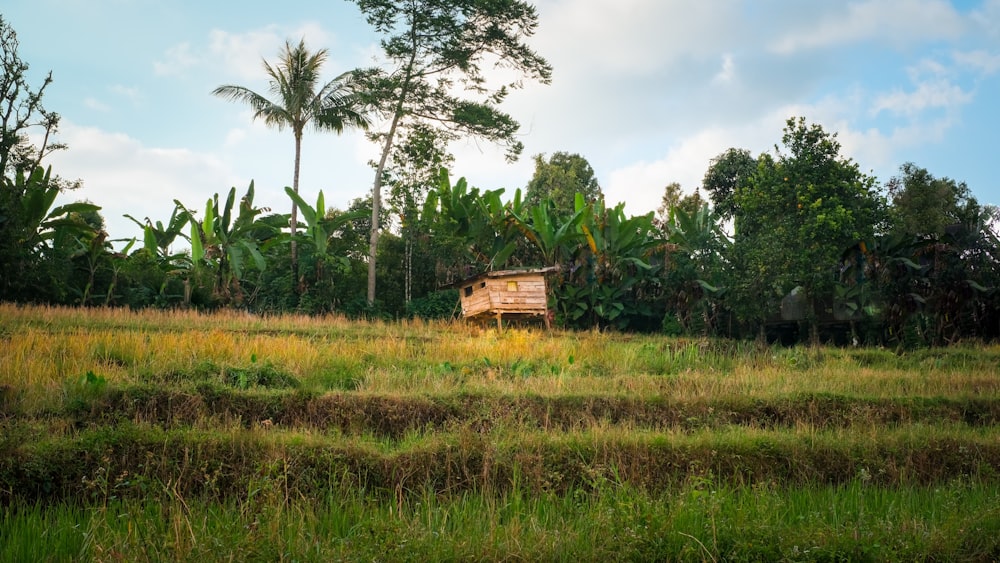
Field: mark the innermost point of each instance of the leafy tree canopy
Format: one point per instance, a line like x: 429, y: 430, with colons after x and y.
x: 925, y: 205
x: 797, y: 213
x: 559, y: 180
x: 29, y: 224
x: 674, y: 200
x: 726, y: 173
x: 21, y: 110
x: 438, y: 51
x: 416, y: 159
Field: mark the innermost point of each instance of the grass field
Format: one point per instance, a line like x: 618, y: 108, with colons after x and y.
x: 178, y: 436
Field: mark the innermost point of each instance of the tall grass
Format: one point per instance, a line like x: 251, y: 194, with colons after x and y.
x: 44, y: 347
x: 703, y: 521
x: 218, y: 461
x: 158, y: 435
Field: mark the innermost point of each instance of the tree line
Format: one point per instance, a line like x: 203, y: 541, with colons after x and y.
x: 795, y: 244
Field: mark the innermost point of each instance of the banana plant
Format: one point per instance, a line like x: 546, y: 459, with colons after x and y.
x: 696, y: 245
x: 617, y: 240
x: 226, y: 243
x: 455, y: 204
x: 37, y: 232
x: 503, y: 232
x: 320, y: 229
x: 482, y: 220
x: 554, y: 237
x: 610, y: 265
x: 696, y: 233
x: 884, y: 279
x: 157, y: 238
x: 91, y: 247
x: 42, y: 222
x: 96, y: 250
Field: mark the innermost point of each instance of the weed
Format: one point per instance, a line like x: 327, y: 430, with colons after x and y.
x: 259, y: 375
x: 90, y: 380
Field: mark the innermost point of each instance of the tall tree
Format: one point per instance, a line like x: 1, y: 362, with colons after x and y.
x: 27, y: 191
x: 795, y: 217
x: 674, y: 200
x: 21, y: 110
x: 560, y: 179
x: 298, y: 100
x: 437, y: 50
x: 923, y: 205
x: 937, y: 266
x: 724, y: 176
x: 416, y: 160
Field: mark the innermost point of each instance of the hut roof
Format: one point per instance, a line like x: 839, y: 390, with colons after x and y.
x: 503, y: 274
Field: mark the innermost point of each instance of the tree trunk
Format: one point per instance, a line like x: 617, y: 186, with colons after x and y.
x: 408, y: 267
x: 293, y: 223
x: 377, y: 188
x: 377, y: 203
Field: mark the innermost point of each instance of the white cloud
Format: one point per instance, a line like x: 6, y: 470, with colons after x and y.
x: 633, y: 36
x: 242, y: 54
x: 178, y: 59
x: 883, y: 151
x: 987, y: 17
x: 239, y: 54
x: 898, y: 22
x: 95, y: 104
x: 641, y: 184
x: 728, y: 71
x: 123, y: 176
x: 872, y: 149
x: 133, y: 95
x: 935, y: 86
x: 928, y: 95
x: 315, y: 36
x: 235, y: 137
x: 980, y: 61
x: 925, y: 67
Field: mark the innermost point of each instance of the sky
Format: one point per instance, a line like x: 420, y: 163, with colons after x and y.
x: 648, y: 91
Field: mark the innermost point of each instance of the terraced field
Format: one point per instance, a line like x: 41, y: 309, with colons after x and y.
x: 178, y: 436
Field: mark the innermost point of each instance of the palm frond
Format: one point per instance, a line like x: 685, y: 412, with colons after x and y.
x: 294, y: 100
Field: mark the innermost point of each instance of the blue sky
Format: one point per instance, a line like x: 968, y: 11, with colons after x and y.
x: 647, y: 90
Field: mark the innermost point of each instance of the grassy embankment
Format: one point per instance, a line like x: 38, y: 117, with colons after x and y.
x: 181, y: 436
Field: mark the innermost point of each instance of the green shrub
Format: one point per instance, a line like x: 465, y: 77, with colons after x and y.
x: 672, y: 325
x: 437, y: 305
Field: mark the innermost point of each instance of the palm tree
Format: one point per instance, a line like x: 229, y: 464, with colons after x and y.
x: 296, y: 103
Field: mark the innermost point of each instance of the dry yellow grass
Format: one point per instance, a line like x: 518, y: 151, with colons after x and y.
x: 41, y: 348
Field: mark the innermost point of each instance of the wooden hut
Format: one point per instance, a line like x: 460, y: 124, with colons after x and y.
x: 515, y: 294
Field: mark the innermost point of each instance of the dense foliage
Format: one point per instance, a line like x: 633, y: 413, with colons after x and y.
x: 439, y: 52
x: 795, y: 245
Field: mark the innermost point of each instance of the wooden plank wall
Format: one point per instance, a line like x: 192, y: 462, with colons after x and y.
x: 477, y: 303
x: 495, y: 297
x: 529, y: 297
